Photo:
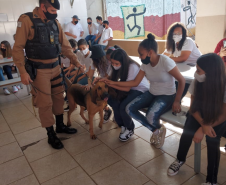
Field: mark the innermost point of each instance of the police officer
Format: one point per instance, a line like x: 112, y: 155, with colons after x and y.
x: 43, y: 39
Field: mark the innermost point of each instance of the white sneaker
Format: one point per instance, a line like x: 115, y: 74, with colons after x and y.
x: 158, y: 139
x: 126, y: 135
x: 15, y: 89
x: 18, y: 87
x: 6, y: 91
x: 208, y: 183
x: 123, y: 129
x: 174, y: 167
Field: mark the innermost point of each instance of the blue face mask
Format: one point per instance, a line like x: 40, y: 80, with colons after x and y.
x: 146, y: 60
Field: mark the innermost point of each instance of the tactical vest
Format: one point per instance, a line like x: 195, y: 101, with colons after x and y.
x: 45, y: 44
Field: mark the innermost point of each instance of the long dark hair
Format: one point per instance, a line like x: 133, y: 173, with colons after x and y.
x: 101, y: 64
x: 121, y: 56
x: 170, y: 43
x: 8, y: 52
x: 209, y: 95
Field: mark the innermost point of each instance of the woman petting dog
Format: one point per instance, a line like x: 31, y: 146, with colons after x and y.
x: 160, y: 70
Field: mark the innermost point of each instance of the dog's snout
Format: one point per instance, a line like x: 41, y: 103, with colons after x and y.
x: 105, y: 95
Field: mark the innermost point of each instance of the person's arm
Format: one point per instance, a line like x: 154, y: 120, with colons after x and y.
x: 22, y: 33
x: 1, y: 56
x: 131, y: 83
x: 183, y: 57
x: 81, y: 33
x: 67, y: 49
x: 181, y: 83
x: 108, y: 39
x: 70, y: 34
x: 90, y: 30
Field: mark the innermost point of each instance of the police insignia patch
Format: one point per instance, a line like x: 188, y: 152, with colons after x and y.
x: 19, y: 24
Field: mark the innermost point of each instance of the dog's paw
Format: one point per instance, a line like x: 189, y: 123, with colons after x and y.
x: 93, y: 137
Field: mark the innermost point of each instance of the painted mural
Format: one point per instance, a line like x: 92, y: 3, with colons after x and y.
x: 134, y: 19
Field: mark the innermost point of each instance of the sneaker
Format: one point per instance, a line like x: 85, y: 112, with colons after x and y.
x: 66, y: 109
x: 107, y: 115
x: 6, y: 91
x: 126, y: 135
x: 208, y: 183
x: 18, y: 87
x: 15, y: 89
x: 174, y: 167
x: 123, y: 129
x: 158, y: 139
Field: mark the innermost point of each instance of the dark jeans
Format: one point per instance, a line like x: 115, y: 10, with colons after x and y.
x: 157, y: 105
x: 1, y: 75
x: 95, y: 42
x: 90, y: 38
x: 8, y: 71
x: 213, y: 146
x: 185, y: 89
x: 119, y: 108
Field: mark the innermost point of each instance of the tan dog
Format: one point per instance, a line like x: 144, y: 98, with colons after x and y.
x: 94, y: 101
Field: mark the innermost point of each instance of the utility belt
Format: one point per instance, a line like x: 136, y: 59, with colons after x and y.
x: 31, y: 67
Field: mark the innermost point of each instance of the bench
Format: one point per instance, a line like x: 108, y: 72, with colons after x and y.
x: 179, y: 121
x: 14, y: 81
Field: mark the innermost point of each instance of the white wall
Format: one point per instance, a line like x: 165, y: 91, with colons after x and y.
x: 94, y: 8
x: 14, y: 8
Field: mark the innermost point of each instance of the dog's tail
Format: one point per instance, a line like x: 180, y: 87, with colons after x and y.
x: 68, y: 82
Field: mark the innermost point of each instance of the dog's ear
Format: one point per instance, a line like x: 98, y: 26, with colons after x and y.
x: 94, y: 95
x: 112, y: 92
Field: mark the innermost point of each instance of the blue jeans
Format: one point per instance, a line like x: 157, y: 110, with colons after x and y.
x: 95, y: 42
x: 8, y: 71
x: 119, y: 108
x: 1, y: 75
x: 90, y: 38
x: 157, y: 105
x: 103, y: 46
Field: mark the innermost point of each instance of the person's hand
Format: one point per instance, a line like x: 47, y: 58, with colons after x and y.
x: 96, y: 80
x: 108, y: 82
x: 104, y: 41
x: 68, y: 70
x: 176, y: 107
x: 74, y: 36
x: 198, y: 137
x: 81, y: 34
x: 89, y: 25
x: 88, y: 87
x: 209, y: 131
x: 25, y: 78
x: 95, y: 39
x: 1, y: 57
x: 222, y: 52
x: 82, y: 68
x: 73, y: 79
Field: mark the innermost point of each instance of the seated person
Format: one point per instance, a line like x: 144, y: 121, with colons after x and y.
x: 6, y: 52
x: 93, y: 30
x: 161, y: 71
x: 100, y: 30
x: 206, y: 116
x: 124, y: 69
x: 74, y: 29
x: 181, y: 48
x: 221, y: 49
x: 107, y: 35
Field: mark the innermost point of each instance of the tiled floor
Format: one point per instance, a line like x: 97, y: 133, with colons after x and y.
x: 27, y: 159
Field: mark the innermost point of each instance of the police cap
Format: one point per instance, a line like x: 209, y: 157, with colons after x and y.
x: 55, y: 4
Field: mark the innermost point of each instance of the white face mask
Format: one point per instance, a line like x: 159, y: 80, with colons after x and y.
x: 117, y: 67
x: 177, y: 38
x: 85, y: 51
x: 200, y: 78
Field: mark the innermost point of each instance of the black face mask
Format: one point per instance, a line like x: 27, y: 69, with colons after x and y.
x: 76, y: 22
x: 3, y: 50
x: 75, y: 51
x: 89, y: 22
x: 50, y: 16
x: 104, y: 26
x: 146, y: 60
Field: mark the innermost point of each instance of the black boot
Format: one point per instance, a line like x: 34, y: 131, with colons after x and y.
x: 53, y: 140
x: 61, y: 127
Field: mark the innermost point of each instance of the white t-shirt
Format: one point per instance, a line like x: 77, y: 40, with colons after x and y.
x: 74, y: 29
x: 66, y: 62
x: 191, y: 90
x: 94, y: 29
x: 189, y: 45
x: 161, y: 82
x: 132, y: 73
x: 106, y: 34
x: 87, y: 61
